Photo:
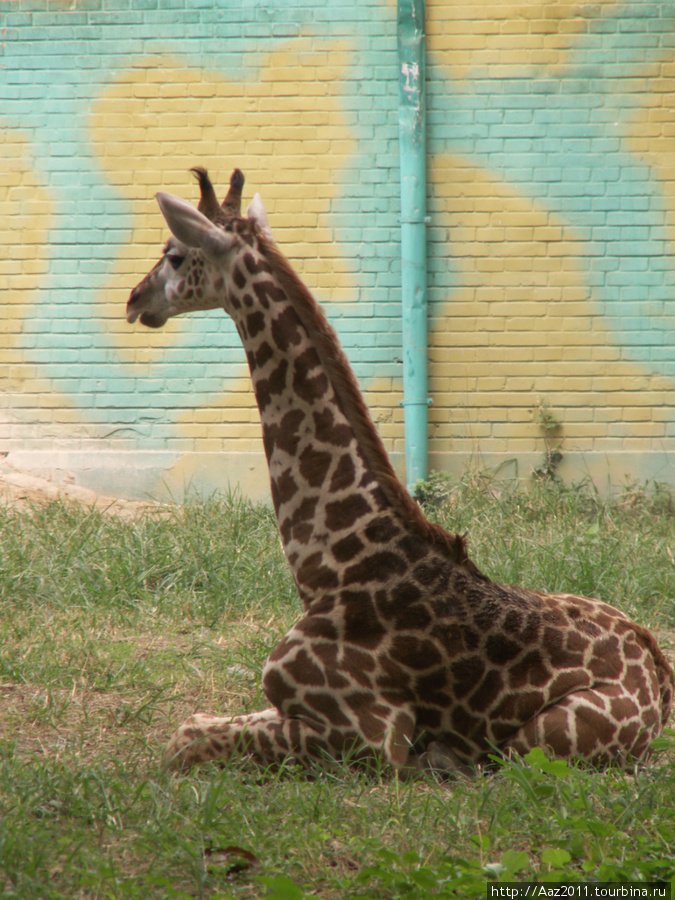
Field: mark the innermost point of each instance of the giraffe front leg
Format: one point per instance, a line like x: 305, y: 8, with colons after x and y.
x: 267, y: 736
x: 203, y: 738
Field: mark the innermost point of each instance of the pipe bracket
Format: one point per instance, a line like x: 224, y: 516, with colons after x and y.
x: 428, y: 402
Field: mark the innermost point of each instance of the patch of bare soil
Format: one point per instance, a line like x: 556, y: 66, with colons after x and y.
x: 23, y: 489
x: 52, y: 722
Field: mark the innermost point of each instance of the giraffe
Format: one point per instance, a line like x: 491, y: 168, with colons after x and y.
x: 406, y: 651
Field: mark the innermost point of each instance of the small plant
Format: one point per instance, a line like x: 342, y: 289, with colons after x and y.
x: 408, y: 876
x: 279, y: 887
x: 551, y: 428
x: 656, y: 496
x: 435, y: 491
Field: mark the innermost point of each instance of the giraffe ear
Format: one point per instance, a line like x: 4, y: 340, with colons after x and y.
x: 257, y: 211
x: 192, y: 228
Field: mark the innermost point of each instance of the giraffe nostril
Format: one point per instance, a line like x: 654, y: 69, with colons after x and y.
x: 134, y: 295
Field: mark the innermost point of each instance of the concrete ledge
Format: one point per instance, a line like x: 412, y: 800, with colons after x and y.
x: 165, y: 475
x: 149, y: 475
x: 609, y: 473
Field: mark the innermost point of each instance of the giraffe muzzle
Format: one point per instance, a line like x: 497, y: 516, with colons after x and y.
x: 135, y: 311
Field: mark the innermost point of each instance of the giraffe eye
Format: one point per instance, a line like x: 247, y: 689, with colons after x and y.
x: 175, y: 259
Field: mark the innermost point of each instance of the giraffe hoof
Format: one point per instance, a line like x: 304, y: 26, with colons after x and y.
x: 440, y: 759
x: 191, y: 744
x: 178, y: 754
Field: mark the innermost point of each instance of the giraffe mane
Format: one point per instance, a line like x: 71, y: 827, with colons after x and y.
x: 353, y: 405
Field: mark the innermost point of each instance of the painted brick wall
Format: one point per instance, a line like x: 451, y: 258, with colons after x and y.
x: 552, y: 128
x: 551, y: 195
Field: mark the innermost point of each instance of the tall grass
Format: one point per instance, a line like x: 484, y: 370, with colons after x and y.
x: 113, y: 630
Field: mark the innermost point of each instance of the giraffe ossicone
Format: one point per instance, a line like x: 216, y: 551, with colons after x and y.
x: 406, y: 650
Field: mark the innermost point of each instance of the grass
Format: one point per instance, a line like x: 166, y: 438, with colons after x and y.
x: 114, y: 630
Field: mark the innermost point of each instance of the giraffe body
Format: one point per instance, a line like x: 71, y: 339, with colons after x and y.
x: 405, y: 650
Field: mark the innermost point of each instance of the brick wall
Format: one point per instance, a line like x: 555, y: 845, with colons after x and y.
x: 551, y: 195
x: 552, y: 129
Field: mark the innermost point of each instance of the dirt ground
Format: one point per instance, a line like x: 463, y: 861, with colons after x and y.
x: 22, y: 489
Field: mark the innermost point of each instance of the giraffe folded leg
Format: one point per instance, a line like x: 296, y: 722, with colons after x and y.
x: 267, y: 736
x: 303, y: 734
x: 601, y: 725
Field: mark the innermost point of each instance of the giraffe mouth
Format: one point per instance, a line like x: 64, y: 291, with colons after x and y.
x: 138, y: 299
x: 152, y: 320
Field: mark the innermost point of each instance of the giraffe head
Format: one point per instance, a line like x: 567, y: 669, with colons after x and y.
x: 193, y: 271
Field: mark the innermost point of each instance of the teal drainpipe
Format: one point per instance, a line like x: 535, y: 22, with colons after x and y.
x: 412, y: 145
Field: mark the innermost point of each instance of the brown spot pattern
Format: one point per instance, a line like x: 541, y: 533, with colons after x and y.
x: 343, y: 514
x: 314, y: 465
x: 286, y: 330
x: 344, y: 474
x: 268, y: 388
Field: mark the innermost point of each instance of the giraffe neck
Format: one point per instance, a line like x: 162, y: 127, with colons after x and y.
x: 331, y: 478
